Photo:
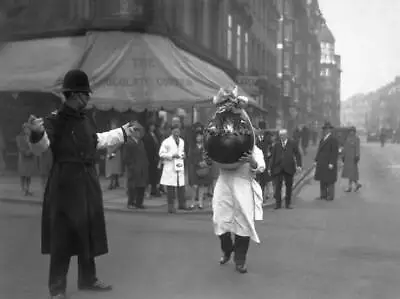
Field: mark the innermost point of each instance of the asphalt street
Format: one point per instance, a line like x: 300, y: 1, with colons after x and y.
x: 345, y: 249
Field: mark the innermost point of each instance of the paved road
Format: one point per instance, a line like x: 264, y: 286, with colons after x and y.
x: 346, y: 249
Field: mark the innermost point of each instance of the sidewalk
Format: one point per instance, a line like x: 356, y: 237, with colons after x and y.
x: 115, y: 200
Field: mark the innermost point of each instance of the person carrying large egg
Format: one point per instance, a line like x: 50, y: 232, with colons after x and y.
x: 237, y: 200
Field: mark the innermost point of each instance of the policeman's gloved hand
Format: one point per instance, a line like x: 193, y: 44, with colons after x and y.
x: 129, y: 128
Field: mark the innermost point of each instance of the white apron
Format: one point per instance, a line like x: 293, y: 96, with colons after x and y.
x: 237, y: 200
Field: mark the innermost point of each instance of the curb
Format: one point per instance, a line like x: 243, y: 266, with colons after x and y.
x: 300, y: 183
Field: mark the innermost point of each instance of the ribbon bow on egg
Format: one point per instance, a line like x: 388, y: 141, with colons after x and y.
x: 230, y: 99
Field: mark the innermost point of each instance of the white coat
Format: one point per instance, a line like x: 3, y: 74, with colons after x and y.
x: 169, y: 148
x: 237, y: 200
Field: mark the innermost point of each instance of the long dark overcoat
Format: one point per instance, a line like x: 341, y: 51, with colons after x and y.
x: 152, y: 145
x: 137, y: 164
x: 328, y: 151
x: 265, y: 144
x: 72, y: 216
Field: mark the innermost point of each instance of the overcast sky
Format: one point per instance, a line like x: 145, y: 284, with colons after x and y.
x: 368, y: 39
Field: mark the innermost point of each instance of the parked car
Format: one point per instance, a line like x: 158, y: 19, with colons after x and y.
x: 372, y: 137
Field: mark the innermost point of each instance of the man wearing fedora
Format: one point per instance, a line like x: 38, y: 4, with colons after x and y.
x: 73, y: 221
x: 326, y: 162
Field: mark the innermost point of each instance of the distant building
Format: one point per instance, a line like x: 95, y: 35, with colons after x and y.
x: 330, y: 77
x: 354, y: 111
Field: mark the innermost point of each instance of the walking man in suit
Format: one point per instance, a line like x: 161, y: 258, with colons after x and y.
x: 285, y: 161
x: 326, y: 162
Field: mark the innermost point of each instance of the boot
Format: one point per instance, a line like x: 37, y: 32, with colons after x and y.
x: 226, y: 247
x: 241, y: 247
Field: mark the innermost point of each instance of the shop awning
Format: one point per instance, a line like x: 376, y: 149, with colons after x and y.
x: 37, y: 65
x: 127, y: 70
x: 137, y: 71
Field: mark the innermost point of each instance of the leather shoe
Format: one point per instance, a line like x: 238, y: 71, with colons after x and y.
x: 97, y: 286
x: 241, y: 268
x: 224, y: 259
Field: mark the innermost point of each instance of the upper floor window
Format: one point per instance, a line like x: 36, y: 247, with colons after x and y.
x: 310, y: 65
x: 297, y: 47
x: 229, y: 38
x: 286, y: 88
x: 309, y: 49
x: 246, y: 52
x: 288, y: 32
x: 239, y: 47
x: 296, y: 95
x: 325, y: 72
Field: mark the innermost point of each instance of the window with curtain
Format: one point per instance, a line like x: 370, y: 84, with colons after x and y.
x: 238, y: 47
x: 229, y: 38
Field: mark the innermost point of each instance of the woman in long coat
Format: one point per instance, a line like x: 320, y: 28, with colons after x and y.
x: 152, y: 145
x: 351, y: 157
x: 200, y: 176
x: 26, y: 160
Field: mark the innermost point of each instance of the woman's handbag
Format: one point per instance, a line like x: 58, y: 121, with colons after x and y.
x: 203, y: 171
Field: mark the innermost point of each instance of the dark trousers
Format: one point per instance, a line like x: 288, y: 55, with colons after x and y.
x: 327, y: 190
x: 136, y: 196
x: 239, y: 247
x: 173, y: 192
x: 262, y: 179
x: 59, y: 265
x: 279, y: 179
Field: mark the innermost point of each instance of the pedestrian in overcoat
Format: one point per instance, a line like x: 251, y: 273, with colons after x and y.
x: 351, y: 157
x: 326, y: 162
x: 200, y: 176
x: 264, y: 142
x: 73, y: 215
x: 152, y: 144
x: 137, y: 168
x: 26, y: 160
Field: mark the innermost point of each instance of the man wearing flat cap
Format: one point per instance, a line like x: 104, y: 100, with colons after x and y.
x: 326, y: 162
x: 73, y: 221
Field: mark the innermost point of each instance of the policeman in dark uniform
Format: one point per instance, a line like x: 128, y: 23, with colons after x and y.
x: 73, y: 221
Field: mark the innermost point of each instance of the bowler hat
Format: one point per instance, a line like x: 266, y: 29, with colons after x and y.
x: 76, y: 81
x: 327, y: 125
